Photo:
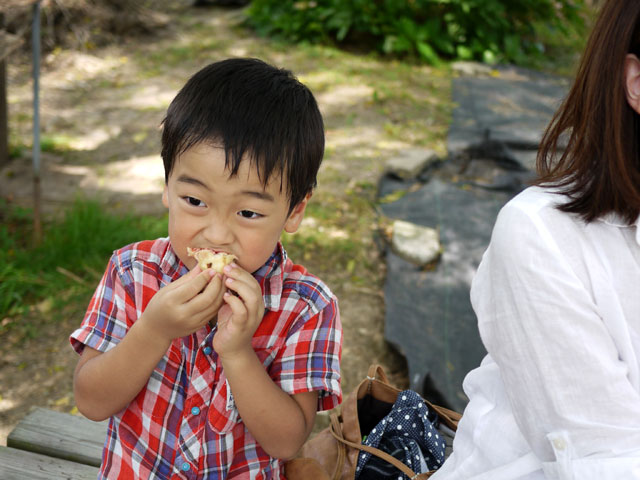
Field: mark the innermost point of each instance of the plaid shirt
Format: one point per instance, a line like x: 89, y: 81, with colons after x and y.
x: 184, y: 424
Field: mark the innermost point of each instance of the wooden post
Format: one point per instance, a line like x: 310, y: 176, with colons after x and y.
x: 35, y: 41
x: 4, y: 115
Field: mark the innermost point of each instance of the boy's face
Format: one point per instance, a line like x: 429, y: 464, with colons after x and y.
x: 236, y: 215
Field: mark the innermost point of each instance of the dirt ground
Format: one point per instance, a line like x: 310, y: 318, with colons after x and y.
x: 103, y: 107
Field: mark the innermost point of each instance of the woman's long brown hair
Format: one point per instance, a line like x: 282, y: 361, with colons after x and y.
x: 599, y: 167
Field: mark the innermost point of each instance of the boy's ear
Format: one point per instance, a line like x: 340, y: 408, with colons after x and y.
x: 165, y: 196
x: 632, y: 81
x: 296, y: 215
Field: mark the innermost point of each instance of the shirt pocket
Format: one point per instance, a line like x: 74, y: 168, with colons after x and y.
x: 223, y: 414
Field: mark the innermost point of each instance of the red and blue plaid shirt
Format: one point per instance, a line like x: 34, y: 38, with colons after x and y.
x: 184, y: 423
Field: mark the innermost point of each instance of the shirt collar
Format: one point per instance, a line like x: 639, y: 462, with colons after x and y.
x: 616, y: 220
x: 270, y: 276
x: 171, y: 266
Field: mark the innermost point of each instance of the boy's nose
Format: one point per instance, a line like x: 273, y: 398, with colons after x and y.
x: 218, y: 233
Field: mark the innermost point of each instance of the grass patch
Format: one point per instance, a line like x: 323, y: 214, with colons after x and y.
x: 336, y: 235
x: 68, y: 263
x: 48, y: 143
x: 55, y: 143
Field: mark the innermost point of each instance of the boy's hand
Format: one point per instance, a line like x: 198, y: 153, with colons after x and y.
x: 184, y: 306
x: 241, y: 314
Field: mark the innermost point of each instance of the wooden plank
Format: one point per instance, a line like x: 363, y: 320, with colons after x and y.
x: 60, y: 435
x: 21, y: 465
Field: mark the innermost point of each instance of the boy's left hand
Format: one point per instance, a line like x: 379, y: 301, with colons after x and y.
x: 240, y: 315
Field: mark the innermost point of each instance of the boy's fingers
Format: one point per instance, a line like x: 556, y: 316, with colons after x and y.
x: 238, y: 273
x: 237, y: 276
x: 191, y: 274
x: 208, y: 296
x: 248, y: 292
x: 238, y: 309
x: 194, y: 285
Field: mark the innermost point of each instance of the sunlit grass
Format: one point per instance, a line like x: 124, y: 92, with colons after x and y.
x: 68, y: 263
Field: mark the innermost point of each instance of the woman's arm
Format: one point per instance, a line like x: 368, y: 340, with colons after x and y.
x: 547, y: 315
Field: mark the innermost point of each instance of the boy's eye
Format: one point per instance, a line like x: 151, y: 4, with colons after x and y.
x: 248, y: 214
x: 194, y: 201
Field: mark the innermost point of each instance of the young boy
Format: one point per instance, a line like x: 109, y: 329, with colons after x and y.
x: 208, y: 375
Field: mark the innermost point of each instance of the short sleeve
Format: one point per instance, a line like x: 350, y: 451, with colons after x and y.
x: 310, y: 357
x: 109, y: 316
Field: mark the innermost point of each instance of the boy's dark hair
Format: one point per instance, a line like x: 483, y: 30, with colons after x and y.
x: 599, y: 170
x: 253, y: 109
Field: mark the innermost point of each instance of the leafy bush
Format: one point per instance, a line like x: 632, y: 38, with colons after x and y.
x: 486, y: 30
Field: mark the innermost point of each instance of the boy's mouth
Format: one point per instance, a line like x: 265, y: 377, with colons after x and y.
x: 209, y: 258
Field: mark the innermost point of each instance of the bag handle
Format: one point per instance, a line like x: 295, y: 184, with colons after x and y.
x: 377, y: 372
x: 335, y: 425
x: 337, y: 433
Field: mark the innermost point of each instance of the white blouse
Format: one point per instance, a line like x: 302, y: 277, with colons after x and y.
x: 558, y: 307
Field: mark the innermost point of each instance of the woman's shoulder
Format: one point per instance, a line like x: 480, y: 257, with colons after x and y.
x: 531, y: 224
x: 537, y: 208
x: 536, y: 201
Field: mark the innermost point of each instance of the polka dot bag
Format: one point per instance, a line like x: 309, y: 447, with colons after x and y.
x: 380, y: 432
x: 408, y: 432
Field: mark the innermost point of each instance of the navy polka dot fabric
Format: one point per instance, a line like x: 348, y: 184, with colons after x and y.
x: 409, y: 434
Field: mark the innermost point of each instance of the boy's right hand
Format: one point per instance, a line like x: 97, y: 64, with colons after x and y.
x: 184, y: 306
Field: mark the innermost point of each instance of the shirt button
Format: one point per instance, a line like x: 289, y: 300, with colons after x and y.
x: 195, y: 411
x: 560, y: 444
x: 207, y: 350
x: 186, y: 467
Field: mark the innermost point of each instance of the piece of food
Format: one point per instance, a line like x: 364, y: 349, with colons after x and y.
x: 209, y: 259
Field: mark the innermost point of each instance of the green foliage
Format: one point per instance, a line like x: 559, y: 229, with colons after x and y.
x: 71, y: 257
x: 486, y: 30
x: 55, y: 143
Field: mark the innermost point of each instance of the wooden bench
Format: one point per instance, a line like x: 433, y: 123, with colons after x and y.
x: 21, y: 465
x: 49, y: 445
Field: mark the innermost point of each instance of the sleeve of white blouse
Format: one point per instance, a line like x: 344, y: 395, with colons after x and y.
x: 566, y: 382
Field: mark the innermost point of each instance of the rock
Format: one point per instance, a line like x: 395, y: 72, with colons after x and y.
x: 416, y: 244
x: 411, y: 162
x: 428, y: 317
x: 526, y: 158
x: 494, y: 175
x: 472, y: 69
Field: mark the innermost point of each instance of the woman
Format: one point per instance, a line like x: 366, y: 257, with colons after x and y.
x: 557, y: 294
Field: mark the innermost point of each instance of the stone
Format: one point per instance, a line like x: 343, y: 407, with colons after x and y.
x: 526, y: 158
x: 472, y: 69
x: 495, y: 131
x: 416, y: 244
x: 411, y: 162
x: 495, y: 175
x: 429, y: 318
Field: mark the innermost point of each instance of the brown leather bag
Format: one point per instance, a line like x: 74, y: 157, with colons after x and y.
x: 332, y: 454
